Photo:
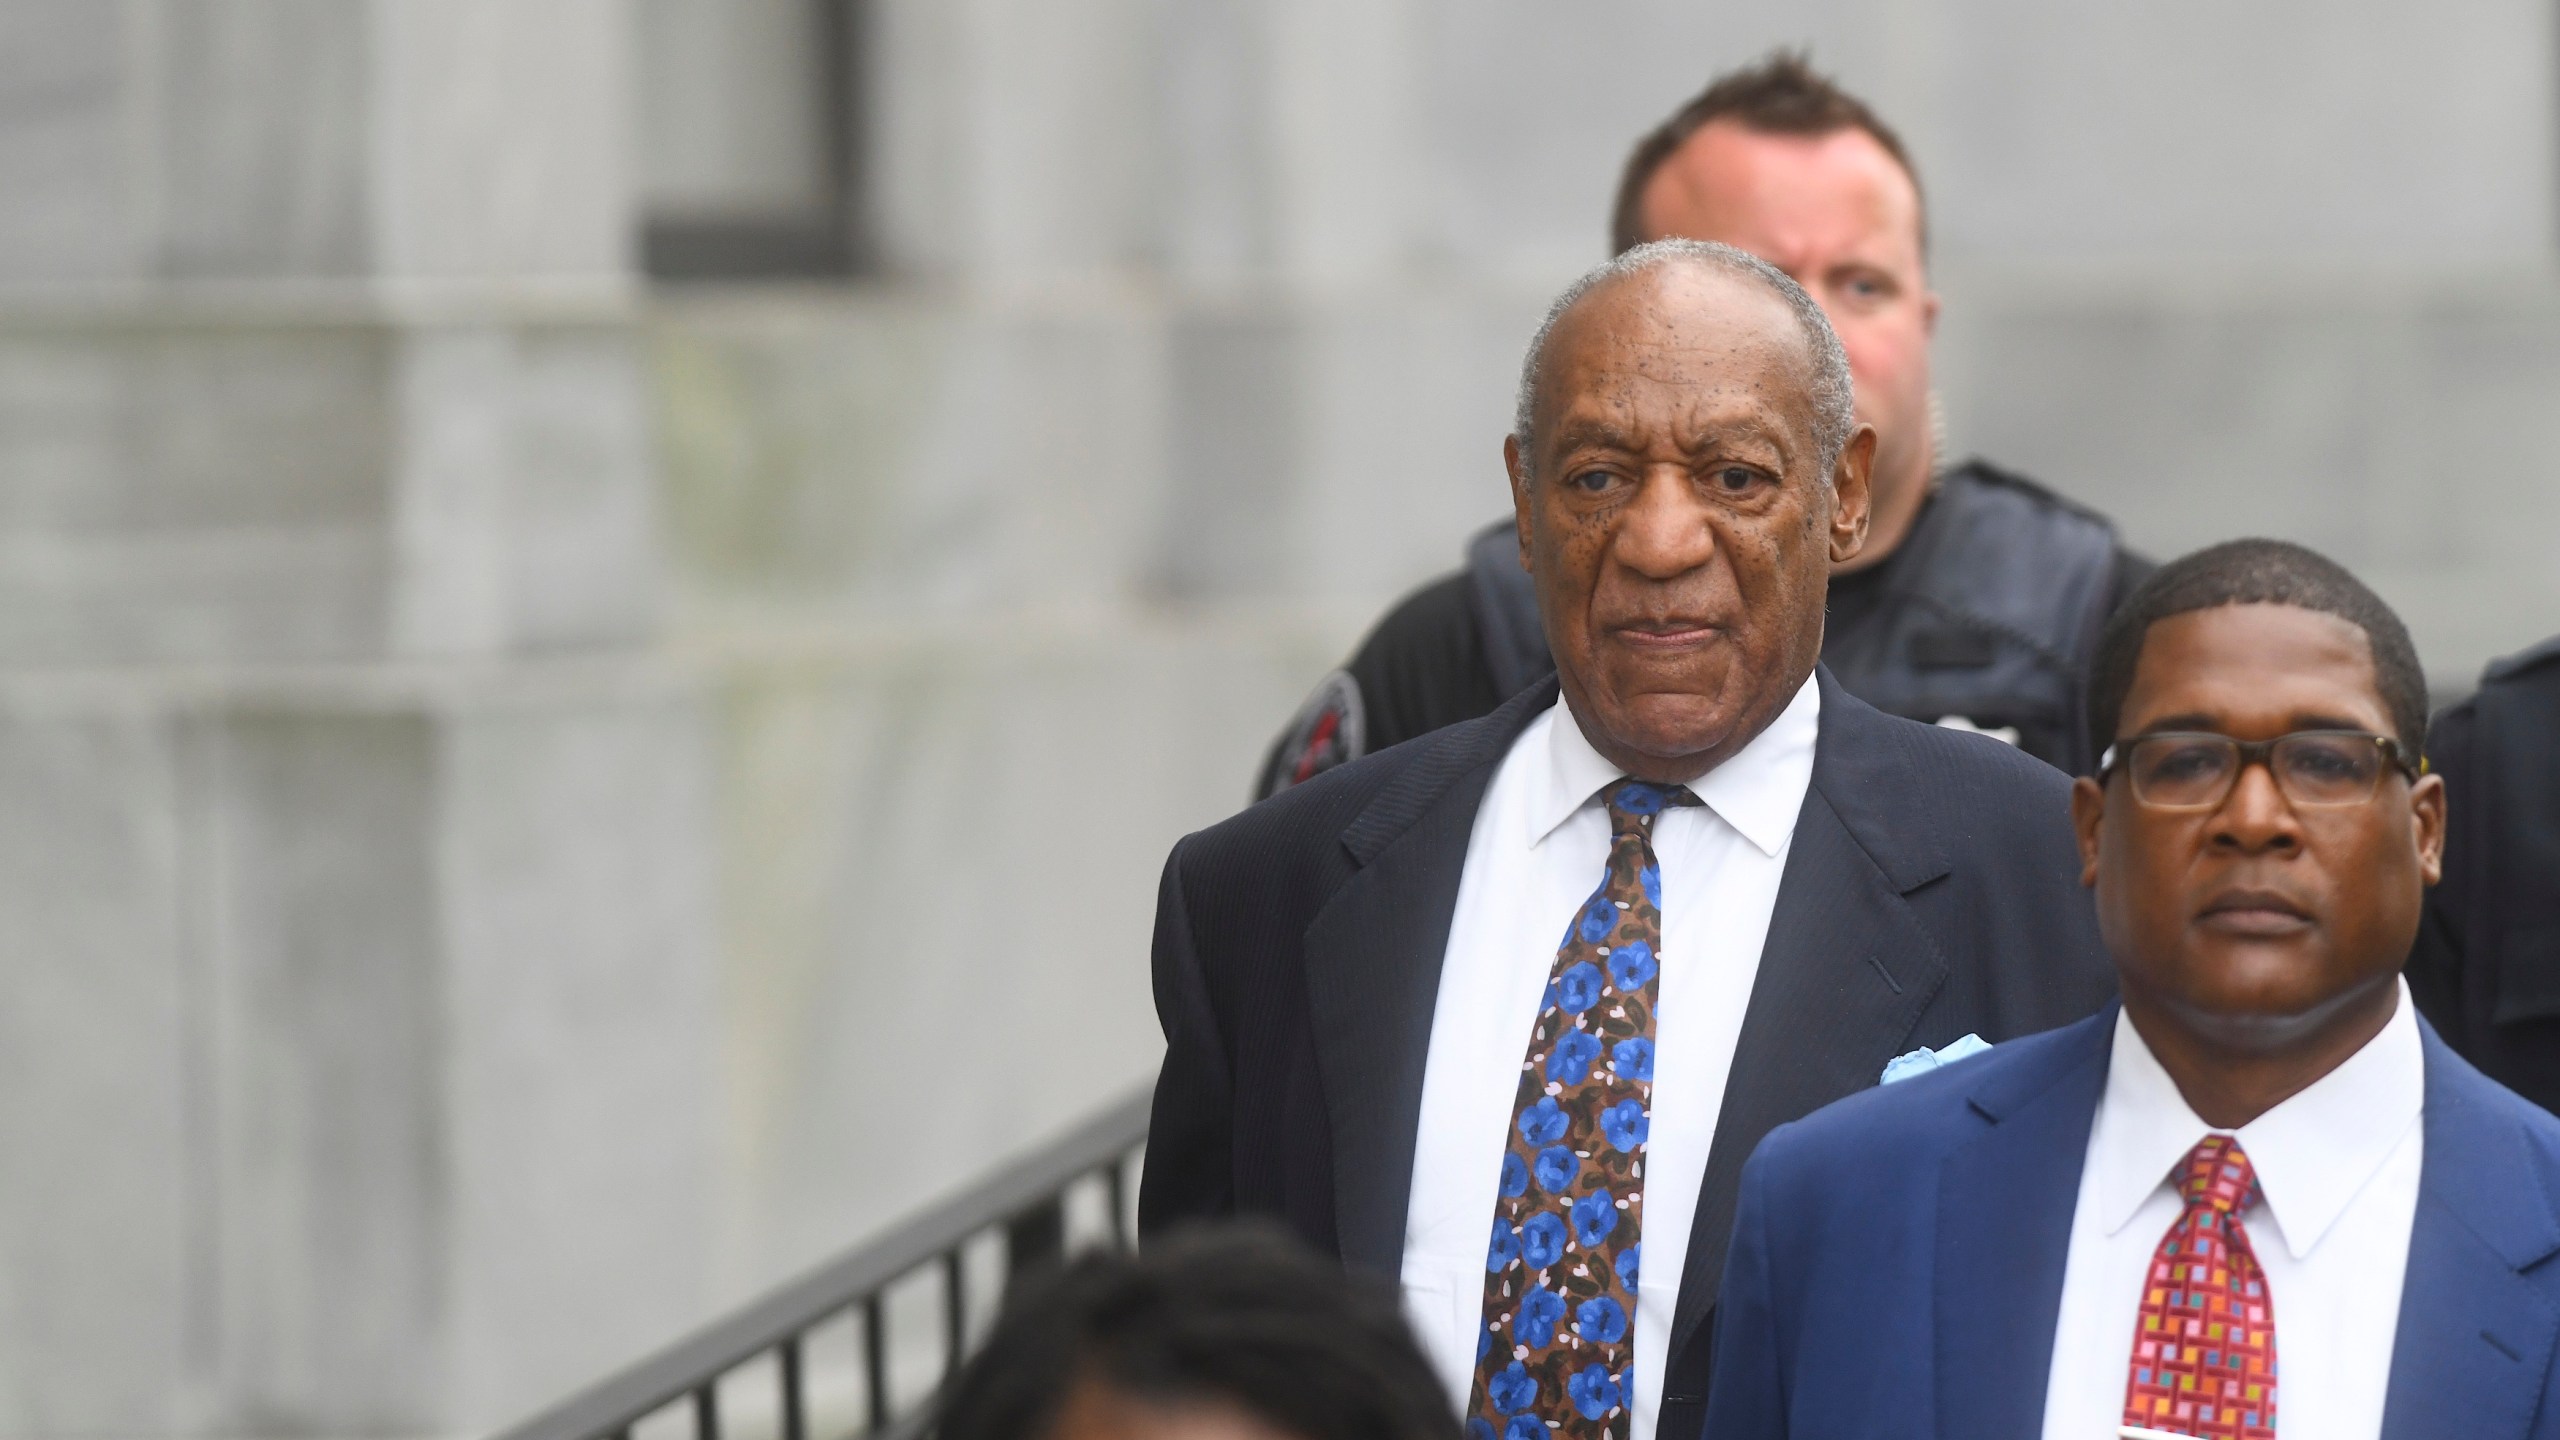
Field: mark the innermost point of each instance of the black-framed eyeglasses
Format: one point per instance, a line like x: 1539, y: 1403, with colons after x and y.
x: 2195, y: 769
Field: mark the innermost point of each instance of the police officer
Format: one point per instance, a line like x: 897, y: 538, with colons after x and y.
x: 2486, y: 969
x: 1978, y: 598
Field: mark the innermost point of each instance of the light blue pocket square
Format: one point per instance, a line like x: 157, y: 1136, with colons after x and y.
x: 1924, y: 1059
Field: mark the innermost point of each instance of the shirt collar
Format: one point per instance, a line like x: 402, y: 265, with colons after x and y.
x: 2312, y: 1153
x: 1758, y: 791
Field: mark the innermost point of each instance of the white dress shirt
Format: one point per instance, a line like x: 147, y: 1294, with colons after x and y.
x: 2338, y: 1167
x: 1539, y: 848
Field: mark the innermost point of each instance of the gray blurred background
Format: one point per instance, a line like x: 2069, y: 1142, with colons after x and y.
x: 607, y: 607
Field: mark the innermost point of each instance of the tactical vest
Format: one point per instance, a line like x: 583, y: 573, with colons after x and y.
x: 1990, y: 614
x: 2515, y: 824
x: 1506, y: 607
x: 1991, y: 611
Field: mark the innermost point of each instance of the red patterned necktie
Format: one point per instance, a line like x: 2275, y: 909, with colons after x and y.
x: 1552, y: 1361
x: 2204, y: 1347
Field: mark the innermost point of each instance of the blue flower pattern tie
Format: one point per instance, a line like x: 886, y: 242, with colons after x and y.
x: 1555, y: 1355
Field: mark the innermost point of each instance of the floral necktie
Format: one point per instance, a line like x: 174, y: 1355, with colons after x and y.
x: 2204, y: 1345
x: 1554, y: 1356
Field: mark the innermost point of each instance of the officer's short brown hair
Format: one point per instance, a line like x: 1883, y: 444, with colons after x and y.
x: 1780, y: 95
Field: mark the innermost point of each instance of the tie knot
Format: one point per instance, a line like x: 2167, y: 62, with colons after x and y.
x: 1633, y: 803
x: 2218, y: 1176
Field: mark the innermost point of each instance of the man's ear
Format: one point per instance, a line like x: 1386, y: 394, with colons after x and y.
x: 2426, y: 811
x: 1512, y: 462
x: 1850, y: 496
x: 2088, y: 808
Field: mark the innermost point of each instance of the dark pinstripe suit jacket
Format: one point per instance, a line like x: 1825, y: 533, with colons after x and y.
x: 1932, y: 890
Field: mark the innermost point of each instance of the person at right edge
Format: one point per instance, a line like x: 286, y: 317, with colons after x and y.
x: 2486, y: 969
x: 1979, y: 597
x: 2261, y: 1199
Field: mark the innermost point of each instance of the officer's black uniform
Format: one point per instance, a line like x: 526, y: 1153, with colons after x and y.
x: 2486, y: 969
x: 1986, y: 614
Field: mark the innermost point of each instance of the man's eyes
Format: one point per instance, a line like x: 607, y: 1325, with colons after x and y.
x: 1726, y: 479
x: 1868, y: 286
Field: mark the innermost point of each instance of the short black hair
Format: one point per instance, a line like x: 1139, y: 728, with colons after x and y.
x: 2257, y: 572
x: 1780, y: 94
x: 1238, y: 1313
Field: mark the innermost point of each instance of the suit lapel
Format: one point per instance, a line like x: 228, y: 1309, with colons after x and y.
x: 1843, y: 977
x: 2476, y: 1336
x: 1844, y: 974
x: 1373, y: 958
x: 2005, y: 1205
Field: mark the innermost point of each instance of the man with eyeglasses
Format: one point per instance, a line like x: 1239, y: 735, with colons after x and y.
x: 2115, y: 1228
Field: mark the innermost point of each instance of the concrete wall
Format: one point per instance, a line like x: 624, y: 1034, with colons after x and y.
x: 356, y: 856
x: 531, y: 807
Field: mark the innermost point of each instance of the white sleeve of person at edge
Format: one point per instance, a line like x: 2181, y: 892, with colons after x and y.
x: 1924, y: 1059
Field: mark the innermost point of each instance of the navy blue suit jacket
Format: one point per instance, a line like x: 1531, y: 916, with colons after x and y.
x: 1897, y: 1258
x: 1932, y: 889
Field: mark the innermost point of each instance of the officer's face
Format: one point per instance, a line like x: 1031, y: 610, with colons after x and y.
x: 2258, y: 925
x: 1839, y: 215
x: 1673, y: 517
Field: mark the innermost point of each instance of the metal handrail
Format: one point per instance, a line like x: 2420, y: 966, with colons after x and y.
x: 1025, y: 1198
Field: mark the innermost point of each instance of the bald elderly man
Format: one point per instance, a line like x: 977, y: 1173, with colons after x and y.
x: 1766, y: 889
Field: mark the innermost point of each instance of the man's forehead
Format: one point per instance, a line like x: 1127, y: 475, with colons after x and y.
x: 1625, y: 405
x: 1727, y: 182
x: 2255, y: 661
x: 1697, y: 327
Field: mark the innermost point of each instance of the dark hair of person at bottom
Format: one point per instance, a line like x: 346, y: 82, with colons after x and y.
x: 1237, y: 1316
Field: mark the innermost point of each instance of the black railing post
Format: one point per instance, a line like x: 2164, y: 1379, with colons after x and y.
x: 1116, y: 1189
x: 875, y: 1360
x: 955, y: 1311
x: 1034, y: 1240
x: 795, y: 1418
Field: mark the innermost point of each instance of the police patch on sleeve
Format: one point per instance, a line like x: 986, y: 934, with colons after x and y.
x: 1326, y: 731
